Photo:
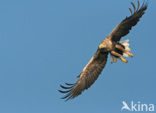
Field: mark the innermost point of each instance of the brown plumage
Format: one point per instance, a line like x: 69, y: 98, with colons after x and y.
x: 125, y: 26
x: 88, y: 75
x: 110, y: 45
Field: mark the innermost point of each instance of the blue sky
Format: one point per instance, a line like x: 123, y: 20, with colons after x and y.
x: 44, y: 43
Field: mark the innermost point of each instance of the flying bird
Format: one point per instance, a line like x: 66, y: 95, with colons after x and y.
x: 110, y: 45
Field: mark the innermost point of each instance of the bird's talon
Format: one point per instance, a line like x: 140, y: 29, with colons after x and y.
x: 124, y: 60
x: 130, y: 54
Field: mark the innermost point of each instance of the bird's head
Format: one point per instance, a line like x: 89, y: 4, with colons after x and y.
x: 103, y: 46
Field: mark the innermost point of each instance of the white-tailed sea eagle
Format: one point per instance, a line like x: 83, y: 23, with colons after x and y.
x: 110, y: 45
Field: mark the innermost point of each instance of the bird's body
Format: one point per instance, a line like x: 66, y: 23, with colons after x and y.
x: 110, y: 45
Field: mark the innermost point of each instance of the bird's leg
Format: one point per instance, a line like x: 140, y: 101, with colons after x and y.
x: 119, y: 55
x: 123, y: 50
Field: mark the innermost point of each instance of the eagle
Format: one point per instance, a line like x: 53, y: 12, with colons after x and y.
x: 112, y: 45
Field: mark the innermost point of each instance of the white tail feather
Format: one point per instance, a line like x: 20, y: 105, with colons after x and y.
x: 126, y: 44
x: 114, y: 59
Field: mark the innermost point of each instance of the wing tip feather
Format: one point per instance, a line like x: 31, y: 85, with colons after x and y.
x: 143, y: 6
x: 67, y: 90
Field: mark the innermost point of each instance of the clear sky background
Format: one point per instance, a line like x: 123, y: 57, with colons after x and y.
x: 44, y: 43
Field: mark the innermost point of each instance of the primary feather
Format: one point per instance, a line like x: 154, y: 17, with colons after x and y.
x: 95, y: 66
x: 125, y: 26
x: 88, y: 75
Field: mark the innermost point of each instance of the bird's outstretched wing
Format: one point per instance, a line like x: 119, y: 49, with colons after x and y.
x: 125, y: 26
x: 87, y: 77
